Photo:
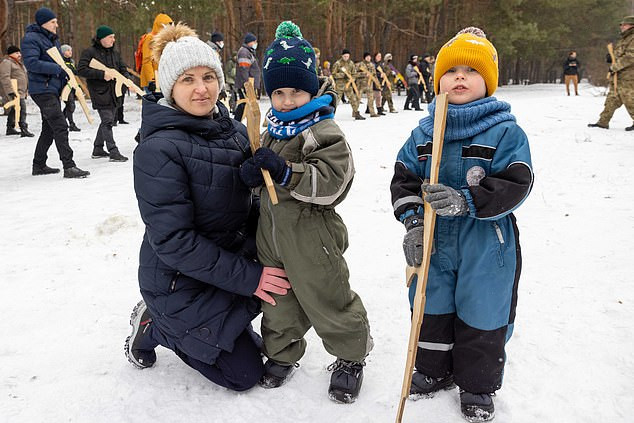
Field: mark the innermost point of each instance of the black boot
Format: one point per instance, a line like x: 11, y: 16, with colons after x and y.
x: 477, y: 407
x: 630, y: 128
x: 75, y: 172
x: 25, y: 133
x: 276, y: 375
x: 138, y: 348
x: 12, y: 131
x: 597, y: 125
x: 99, y: 153
x: 380, y: 111
x: 357, y: 116
x: 425, y: 386
x: 43, y: 170
x: 115, y: 156
x: 346, y: 380
x: 73, y: 128
x: 123, y: 122
x: 367, y: 111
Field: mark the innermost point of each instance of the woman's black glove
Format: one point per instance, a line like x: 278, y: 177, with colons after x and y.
x: 251, y: 174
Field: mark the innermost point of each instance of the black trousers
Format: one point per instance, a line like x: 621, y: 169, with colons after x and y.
x: 238, y: 370
x: 70, y: 107
x: 413, y: 94
x: 54, y: 128
x: 22, y: 119
x: 104, y: 132
x: 237, y: 115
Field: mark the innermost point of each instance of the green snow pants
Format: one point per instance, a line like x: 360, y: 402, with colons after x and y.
x: 308, y: 242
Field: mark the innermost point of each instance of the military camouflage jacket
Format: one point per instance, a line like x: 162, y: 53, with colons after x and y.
x: 337, y: 72
x: 624, y: 55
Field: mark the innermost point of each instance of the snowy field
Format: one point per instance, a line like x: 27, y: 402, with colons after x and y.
x: 69, y: 253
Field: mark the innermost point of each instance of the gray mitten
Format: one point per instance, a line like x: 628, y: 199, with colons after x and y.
x: 413, y: 240
x: 446, y: 200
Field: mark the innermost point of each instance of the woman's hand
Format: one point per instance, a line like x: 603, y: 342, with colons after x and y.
x: 272, y: 280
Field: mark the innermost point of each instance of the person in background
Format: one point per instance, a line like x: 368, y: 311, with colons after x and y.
x: 12, y: 67
x: 46, y: 81
x: 248, y: 67
x: 343, y: 84
x: 622, y: 70
x: 148, y: 66
x: 571, y: 72
x: 390, y: 73
x: 101, y: 85
x: 69, y: 109
x: 413, y: 90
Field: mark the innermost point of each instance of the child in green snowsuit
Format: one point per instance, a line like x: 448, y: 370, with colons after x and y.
x: 311, y: 163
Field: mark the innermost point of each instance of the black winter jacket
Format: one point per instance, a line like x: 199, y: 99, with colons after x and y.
x: 197, y: 270
x: 102, y: 92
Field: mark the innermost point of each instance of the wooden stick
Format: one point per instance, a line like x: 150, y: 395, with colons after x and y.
x: 350, y: 81
x: 440, y: 120
x: 611, y: 51
x: 252, y: 112
x: 57, y: 57
x: 15, y: 103
x: 420, y: 77
x: 120, y: 79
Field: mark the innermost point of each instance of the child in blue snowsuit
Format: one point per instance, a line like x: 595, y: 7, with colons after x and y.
x: 485, y: 174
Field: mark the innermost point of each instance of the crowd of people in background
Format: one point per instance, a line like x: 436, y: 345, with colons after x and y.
x: 373, y: 79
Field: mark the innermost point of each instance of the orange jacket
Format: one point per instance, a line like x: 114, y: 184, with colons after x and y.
x: 148, y: 65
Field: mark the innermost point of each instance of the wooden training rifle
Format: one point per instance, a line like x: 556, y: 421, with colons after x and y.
x: 420, y: 78
x: 384, y: 79
x: 372, y: 78
x: 611, y: 51
x: 119, y: 79
x: 440, y: 120
x: 350, y: 81
x: 72, y: 81
x: 15, y: 103
x: 252, y: 112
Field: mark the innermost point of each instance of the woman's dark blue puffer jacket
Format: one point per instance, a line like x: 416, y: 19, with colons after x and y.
x: 197, y: 270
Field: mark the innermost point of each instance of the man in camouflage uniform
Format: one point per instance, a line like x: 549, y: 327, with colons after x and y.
x: 623, y: 68
x: 365, y: 70
x: 387, y: 76
x: 342, y: 80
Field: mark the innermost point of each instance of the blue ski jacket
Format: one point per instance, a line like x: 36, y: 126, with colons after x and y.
x: 45, y: 76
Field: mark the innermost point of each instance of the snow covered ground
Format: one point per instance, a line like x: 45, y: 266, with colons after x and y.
x: 69, y: 249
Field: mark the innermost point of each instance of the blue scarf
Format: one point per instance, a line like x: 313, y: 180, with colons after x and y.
x: 468, y: 120
x: 285, y: 125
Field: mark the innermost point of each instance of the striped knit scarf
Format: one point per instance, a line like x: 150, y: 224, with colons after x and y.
x: 286, y: 125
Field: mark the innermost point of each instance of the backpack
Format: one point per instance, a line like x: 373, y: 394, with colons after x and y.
x: 138, y: 54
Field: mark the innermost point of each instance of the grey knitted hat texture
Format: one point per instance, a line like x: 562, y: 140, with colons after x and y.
x: 182, y: 54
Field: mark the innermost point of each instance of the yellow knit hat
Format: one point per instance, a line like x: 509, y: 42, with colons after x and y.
x: 469, y: 49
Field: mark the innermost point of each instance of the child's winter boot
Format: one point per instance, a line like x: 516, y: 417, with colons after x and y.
x: 477, y: 407
x: 276, y: 375
x: 426, y: 386
x: 346, y: 380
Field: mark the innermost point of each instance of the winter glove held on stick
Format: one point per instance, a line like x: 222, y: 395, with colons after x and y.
x: 251, y: 174
x: 413, y: 240
x: 272, y: 280
x: 446, y: 200
x: 270, y: 160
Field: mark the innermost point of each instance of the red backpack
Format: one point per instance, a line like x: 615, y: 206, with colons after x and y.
x: 138, y: 54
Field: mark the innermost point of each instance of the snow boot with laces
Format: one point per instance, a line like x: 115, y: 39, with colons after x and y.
x: 139, y: 348
x: 275, y: 374
x: 476, y: 407
x: 346, y: 380
x: 424, y: 386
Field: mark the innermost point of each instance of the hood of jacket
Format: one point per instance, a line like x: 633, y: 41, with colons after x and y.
x: 156, y: 117
x: 160, y: 20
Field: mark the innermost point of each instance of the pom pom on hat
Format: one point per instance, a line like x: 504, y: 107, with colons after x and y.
x: 469, y: 49
x: 289, y: 62
x: 388, y: 56
x: 177, y: 49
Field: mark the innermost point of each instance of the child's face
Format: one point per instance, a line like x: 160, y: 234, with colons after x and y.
x: 287, y: 99
x: 463, y: 84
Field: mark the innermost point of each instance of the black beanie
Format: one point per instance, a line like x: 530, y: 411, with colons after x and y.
x: 12, y: 49
x: 43, y: 15
x: 345, y: 51
x: 217, y: 36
